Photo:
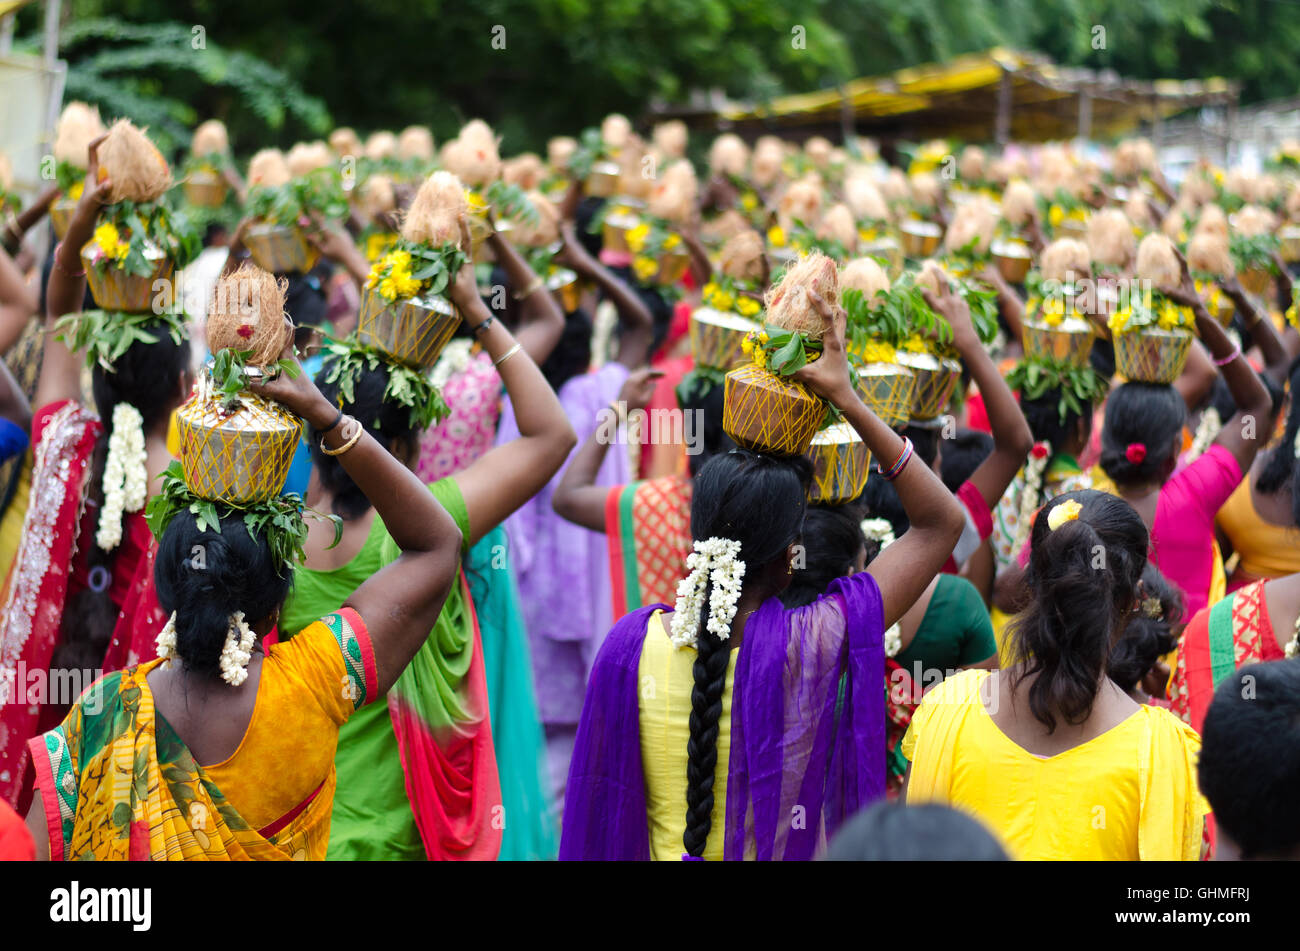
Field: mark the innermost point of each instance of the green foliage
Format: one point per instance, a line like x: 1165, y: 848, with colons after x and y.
x: 319, y: 192
x: 1254, y: 252
x: 406, y: 386
x: 894, y: 316
x: 230, y: 376
x: 788, y: 351
x: 1079, y: 387
x: 153, y: 223
x: 698, y: 383
x: 107, y: 334
x: 512, y: 202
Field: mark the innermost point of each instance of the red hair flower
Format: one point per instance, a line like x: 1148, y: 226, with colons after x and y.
x: 1039, y: 451
x: 1135, y: 453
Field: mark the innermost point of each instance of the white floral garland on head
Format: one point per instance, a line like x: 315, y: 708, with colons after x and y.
x: 455, y: 357
x: 1031, y: 493
x: 879, y: 530
x: 126, y: 478
x: 1206, y: 432
x: 235, y: 653
x: 717, y: 560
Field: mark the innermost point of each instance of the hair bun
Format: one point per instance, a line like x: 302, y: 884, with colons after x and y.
x: 1135, y: 452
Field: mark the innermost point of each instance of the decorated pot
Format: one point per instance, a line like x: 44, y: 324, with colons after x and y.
x: 920, y: 239
x: 280, y: 249
x: 767, y: 413
x: 935, y: 379
x: 1069, y: 342
x: 603, y: 180
x: 840, y: 463
x: 206, y: 189
x: 239, y: 456
x: 1255, y: 280
x: 1152, y: 355
x: 1013, y: 259
x: 672, y: 266
x: 411, y: 330
x: 717, y: 338
x: 1290, y: 248
x: 887, y: 250
x: 1073, y: 228
x: 614, y: 231
x: 116, y: 289
x: 887, y: 388
x: 61, y: 214
x: 564, y: 282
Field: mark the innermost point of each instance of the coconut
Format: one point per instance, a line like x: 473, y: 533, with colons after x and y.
x: 435, y: 215
x: 79, y: 125
x: 932, y: 277
x: 868, y: 151
x: 926, y: 189
x: 381, y: 145
x: 818, y: 150
x: 1157, y: 262
x: 1241, y: 183
x: 633, y: 180
x: 133, y: 164
x: 670, y: 138
x: 1138, y: 210
x: 865, y: 275
x: 345, y: 142
x: 1176, y: 221
x: 377, y: 196
x: 1267, y: 188
x: 788, y: 306
x: 1197, y: 188
x: 547, y: 229
x: 802, y: 201
x: 246, y: 313
x: 972, y: 166
x: 741, y: 258
x: 1209, y: 253
x: 474, y: 159
x: 268, y: 169
x: 1019, y: 203
x: 1065, y: 260
x: 974, y: 221
x: 210, y: 138
x: 894, y: 186
x: 728, y: 155
x: 724, y: 227
x: 1110, y: 239
x: 615, y: 131
x: 415, y: 142
x: 673, y: 198
x: 864, y: 199
x: 769, y: 155
x: 559, y: 151
x: 1253, y: 220
x: 524, y: 170
x: 307, y: 157
x: 1132, y: 157
x: 837, y: 225
x: 1212, y: 221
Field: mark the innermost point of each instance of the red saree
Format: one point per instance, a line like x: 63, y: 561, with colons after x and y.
x: 648, y: 525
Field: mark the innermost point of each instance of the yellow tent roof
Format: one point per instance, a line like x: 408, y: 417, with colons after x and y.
x: 961, y: 98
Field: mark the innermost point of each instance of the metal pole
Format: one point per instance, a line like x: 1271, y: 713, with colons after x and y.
x: 51, y: 32
x: 1002, y: 131
x: 1085, y: 115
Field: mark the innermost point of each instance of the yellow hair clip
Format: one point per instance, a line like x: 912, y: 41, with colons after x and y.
x: 1067, y: 511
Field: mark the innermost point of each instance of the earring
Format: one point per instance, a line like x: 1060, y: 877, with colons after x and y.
x: 789, y: 569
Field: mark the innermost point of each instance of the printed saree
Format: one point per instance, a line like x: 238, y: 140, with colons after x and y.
x: 796, y: 770
x: 648, y: 524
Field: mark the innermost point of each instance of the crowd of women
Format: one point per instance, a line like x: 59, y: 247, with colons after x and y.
x: 792, y: 502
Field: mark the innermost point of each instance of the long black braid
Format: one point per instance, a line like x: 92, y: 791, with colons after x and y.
x: 711, y: 661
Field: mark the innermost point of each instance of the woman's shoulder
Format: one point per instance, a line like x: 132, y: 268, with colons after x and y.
x: 962, y: 689
x: 1167, y: 729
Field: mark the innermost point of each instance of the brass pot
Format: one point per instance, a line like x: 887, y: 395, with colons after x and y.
x: 1013, y: 259
x: 115, y: 289
x: 1073, y: 228
x: 564, y: 282
x: 614, y: 232
x: 1290, y: 249
x: 206, y: 189
x: 887, y: 388
x: 280, y: 249
x: 242, y: 456
x: 716, y: 338
x: 1071, y: 342
x: 479, y: 226
x: 603, y: 180
x: 1152, y: 355
x: 767, y: 413
x: 672, y: 266
x: 936, y: 378
x: 61, y: 214
x: 412, y: 331
x: 887, y: 250
x: 840, y: 464
x: 920, y: 239
x: 1255, y: 280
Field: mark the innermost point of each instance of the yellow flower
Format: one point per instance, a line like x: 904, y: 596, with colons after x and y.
x: 747, y: 345
x: 710, y: 289
x: 636, y: 237
x: 749, y: 201
x: 108, y: 240
x: 748, y: 307
x: 407, y: 286
x: 1051, y: 311
x: 399, y: 260
x: 867, y: 235
x: 476, y: 201
x: 377, y: 244
x: 1292, y: 317
x: 760, y: 358
x: 724, y: 301
x: 1055, y: 215
x: 878, y: 351
x: 1067, y: 511
x: 763, y: 337
x: 916, y: 344
x: 644, y: 267
x: 776, y: 236
x: 672, y: 241
x: 388, y: 289
x: 1118, y: 322
x: 74, y: 193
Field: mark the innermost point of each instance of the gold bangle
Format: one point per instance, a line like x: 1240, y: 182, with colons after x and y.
x: 528, y: 291
x: 347, y: 445
x: 507, y: 355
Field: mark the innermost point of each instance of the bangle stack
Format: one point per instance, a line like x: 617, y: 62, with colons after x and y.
x: 900, y: 464
x: 507, y: 355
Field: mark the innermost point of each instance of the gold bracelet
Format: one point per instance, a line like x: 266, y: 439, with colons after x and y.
x: 347, y: 445
x: 507, y: 355
x: 528, y: 291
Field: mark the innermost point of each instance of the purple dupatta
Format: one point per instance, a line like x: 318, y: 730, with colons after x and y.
x: 797, y: 769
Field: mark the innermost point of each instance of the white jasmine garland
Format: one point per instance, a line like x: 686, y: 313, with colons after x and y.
x: 455, y: 357
x: 167, y: 642
x: 717, y: 560
x: 126, y: 477
x: 237, y: 652
x: 879, y: 530
x: 1206, y: 433
x: 1035, y: 468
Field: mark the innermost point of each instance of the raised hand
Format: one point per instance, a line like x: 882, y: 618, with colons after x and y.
x: 829, y: 376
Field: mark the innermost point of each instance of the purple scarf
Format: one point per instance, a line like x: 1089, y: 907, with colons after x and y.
x: 796, y: 770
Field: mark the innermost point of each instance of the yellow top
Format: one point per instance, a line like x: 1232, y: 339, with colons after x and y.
x: 1266, y: 550
x: 666, y: 677
x: 11, y: 525
x: 1129, y: 793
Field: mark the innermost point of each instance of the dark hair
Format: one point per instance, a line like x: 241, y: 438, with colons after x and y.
x: 1149, y: 413
x: 387, y: 421
x: 882, y: 502
x: 148, y: 376
x: 708, y: 407
x: 1249, y: 767
x: 1083, y: 578
x: 1280, y: 469
x: 1044, y: 418
x: 962, y: 455
x: 572, y: 353
x: 894, y: 832
x: 832, y: 540
x: 759, y: 501
x: 925, y: 442
x: 1146, y: 640
x: 235, y: 572
x: 306, y: 299
x: 582, y: 217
